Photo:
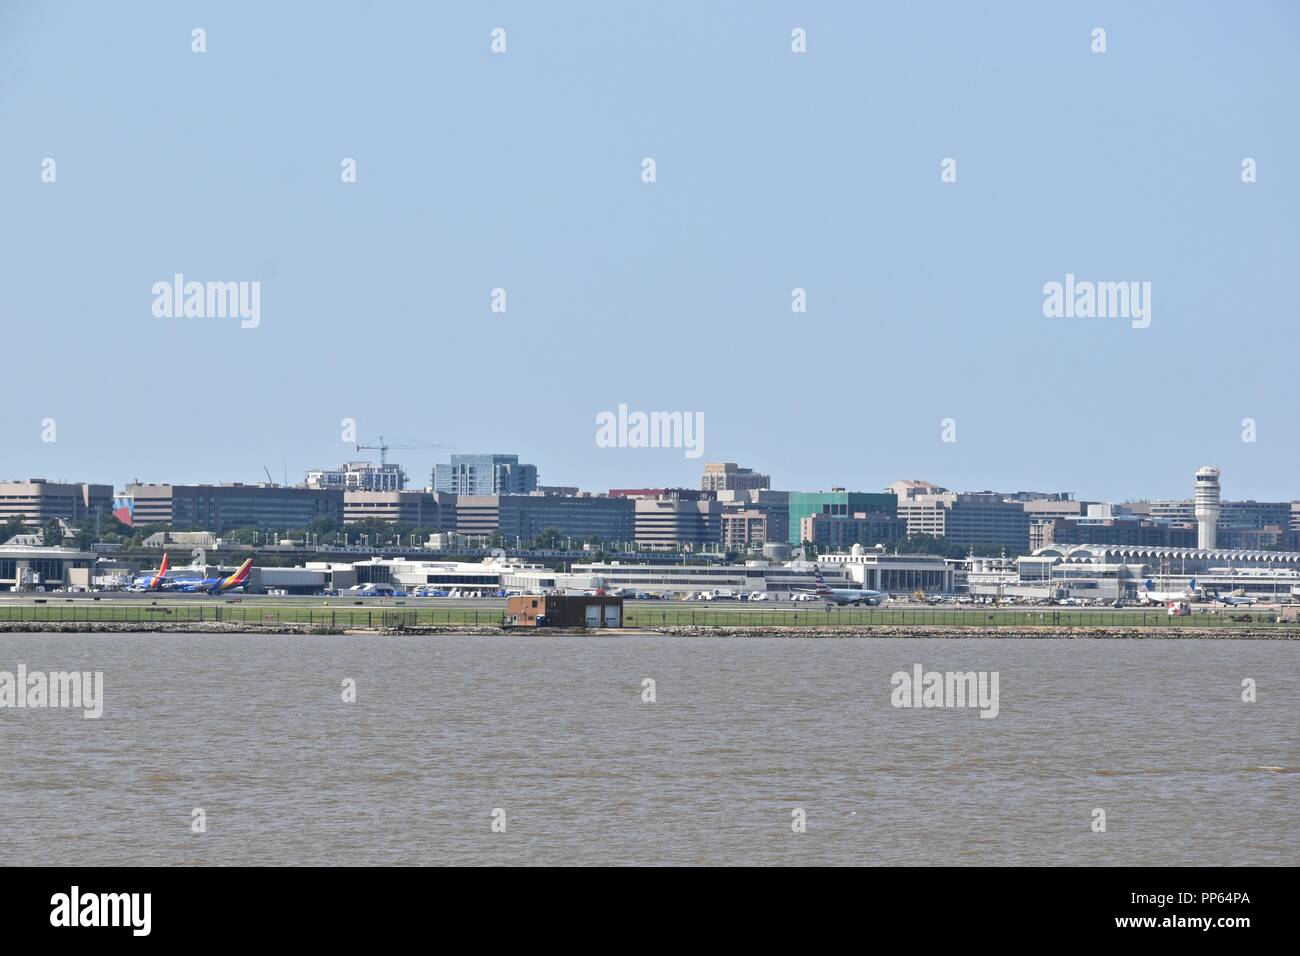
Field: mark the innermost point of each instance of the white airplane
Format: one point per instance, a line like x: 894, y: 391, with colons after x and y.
x: 840, y: 596
x: 1147, y: 594
x: 1230, y: 600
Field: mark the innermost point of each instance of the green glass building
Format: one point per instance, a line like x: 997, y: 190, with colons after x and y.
x: 842, y: 503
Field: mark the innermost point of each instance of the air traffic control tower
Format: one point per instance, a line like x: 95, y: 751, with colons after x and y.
x: 1207, y: 506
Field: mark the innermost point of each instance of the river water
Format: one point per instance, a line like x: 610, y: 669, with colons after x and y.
x: 550, y: 735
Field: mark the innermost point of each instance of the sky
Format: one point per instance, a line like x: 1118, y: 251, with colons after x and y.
x: 773, y: 170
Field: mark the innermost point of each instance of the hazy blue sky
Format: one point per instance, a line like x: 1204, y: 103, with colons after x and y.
x: 775, y: 170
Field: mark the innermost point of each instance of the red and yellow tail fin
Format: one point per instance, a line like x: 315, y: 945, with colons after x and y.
x: 239, y: 577
x: 157, y: 579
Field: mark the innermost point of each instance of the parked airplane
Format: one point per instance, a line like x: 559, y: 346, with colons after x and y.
x: 1148, y: 595
x: 840, y: 596
x: 1230, y: 600
x: 217, y: 585
x: 152, y: 582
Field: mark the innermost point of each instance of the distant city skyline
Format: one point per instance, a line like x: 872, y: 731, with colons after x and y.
x: 930, y: 183
x: 414, y: 483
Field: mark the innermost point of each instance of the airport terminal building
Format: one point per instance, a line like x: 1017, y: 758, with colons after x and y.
x: 39, y: 568
x: 1117, y: 572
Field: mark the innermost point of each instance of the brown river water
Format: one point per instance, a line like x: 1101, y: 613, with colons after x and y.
x: 550, y: 734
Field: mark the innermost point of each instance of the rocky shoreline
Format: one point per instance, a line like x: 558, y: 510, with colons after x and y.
x: 1094, y: 632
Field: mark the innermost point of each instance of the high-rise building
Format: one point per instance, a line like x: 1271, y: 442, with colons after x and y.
x: 1177, y: 511
x: 987, y: 518
x: 728, y: 476
x: 911, y: 487
x: 1254, y: 515
x: 226, y: 507
x: 773, y: 505
x: 523, y: 518
x: 839, y: 532
x: 835, y: 502
x: 1117, y: 529
x: 427, y: 509
x: 744, y: 529
x: 1207, y: 507
x: 672, y: 523
x: 38, y: 501
x: 978, y: 518
x: 485, y: 475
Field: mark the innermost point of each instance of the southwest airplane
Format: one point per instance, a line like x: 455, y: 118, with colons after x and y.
x: 841, y: 596
x: 218, y: 585
x: 155, y: 581
x: 1149, y: 596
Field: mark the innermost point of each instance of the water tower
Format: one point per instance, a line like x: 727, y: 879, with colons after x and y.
x: 1207, y: 506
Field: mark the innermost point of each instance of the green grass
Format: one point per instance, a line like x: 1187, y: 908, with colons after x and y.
x: 984, y: 617
x: 84, y: 612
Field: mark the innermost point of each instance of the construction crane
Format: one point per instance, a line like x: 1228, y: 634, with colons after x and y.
x: 409, y: 444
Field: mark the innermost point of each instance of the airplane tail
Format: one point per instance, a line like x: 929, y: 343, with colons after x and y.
x: 238, y: 579
x: 821, y: 582
x: 157, y: 579
x: 1148, y: 585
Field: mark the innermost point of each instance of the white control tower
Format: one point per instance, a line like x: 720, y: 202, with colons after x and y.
x: 1207, y: 506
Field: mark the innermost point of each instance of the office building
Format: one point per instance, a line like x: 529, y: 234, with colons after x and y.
x: 774, y: 506
x: 684, y: 494
x: 359, y: 476
x: 743, y: 529
x: 728, y: 476
x: 983, y: 518
x: 1254, y: 514
x: 431, y: 510
x: 841, y: 532
x: 912, y: 487
x: 672, y: 523
x: 487, y: 474
x: 229, y: 506
x: 1117, y: 530
x: 836, y: 502
x: 38, y: 501
x: 987, y: 519
x: 520, y: 519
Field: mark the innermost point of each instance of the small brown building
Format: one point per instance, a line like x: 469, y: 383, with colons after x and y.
x: 564, y: 610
